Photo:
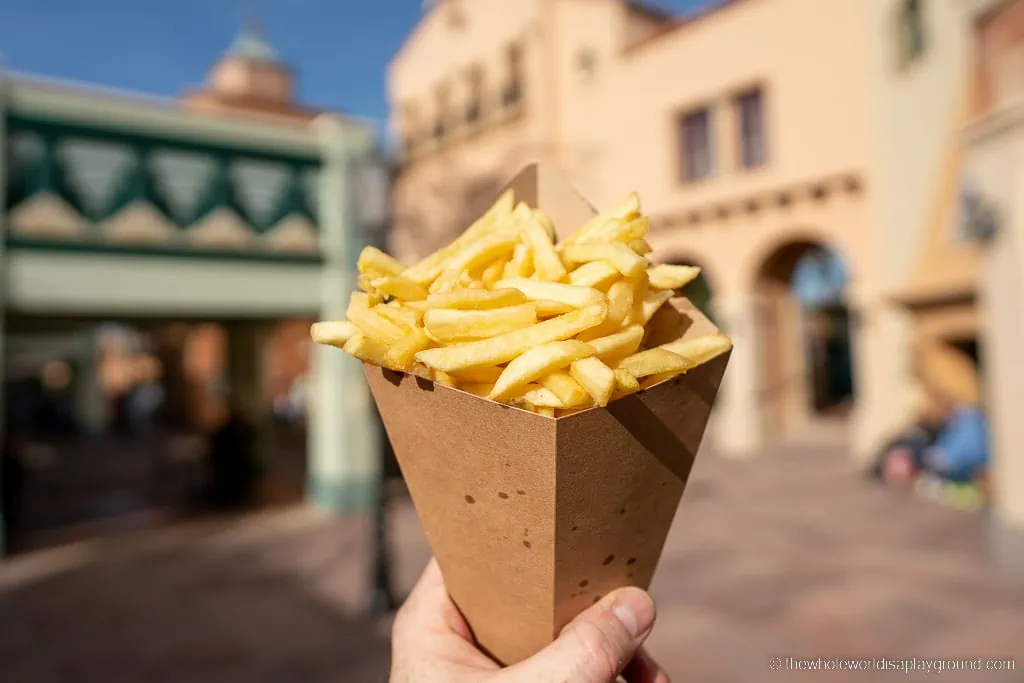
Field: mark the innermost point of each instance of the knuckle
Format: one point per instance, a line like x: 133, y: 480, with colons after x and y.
x: 600, y: 654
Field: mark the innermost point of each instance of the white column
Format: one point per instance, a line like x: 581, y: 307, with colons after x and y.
x: 739, y: 431
x: 3, y: 265
x: 1002, y: 294
x: 343, y: 441
x: 90, y: 403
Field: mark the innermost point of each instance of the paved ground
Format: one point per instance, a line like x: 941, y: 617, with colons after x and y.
x: 788, y: 556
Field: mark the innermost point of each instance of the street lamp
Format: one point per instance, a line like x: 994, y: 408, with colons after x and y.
x: 371, y: 194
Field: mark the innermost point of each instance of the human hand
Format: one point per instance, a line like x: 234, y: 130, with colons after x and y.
x: 431, y: 643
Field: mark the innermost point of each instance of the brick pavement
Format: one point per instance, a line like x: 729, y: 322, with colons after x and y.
x: 789, y: 555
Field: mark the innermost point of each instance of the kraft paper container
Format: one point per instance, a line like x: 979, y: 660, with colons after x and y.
x: 531, y: 518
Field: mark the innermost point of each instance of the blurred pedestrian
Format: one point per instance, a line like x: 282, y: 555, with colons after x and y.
x: 959, y: 451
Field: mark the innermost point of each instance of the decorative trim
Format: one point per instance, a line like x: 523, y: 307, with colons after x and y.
x: 46, y: 215
x: 159, y: 251
x: 139, y: 222
x: 819, y: 191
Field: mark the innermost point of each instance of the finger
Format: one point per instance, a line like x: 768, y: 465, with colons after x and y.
x: 596, y: 645
x: 428, y: 609
x: 643, y: 669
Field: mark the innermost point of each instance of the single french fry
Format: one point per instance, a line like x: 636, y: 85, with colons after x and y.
x: 545, y: 223
x: 546, y: 412
x: 399, y: 287
x: 652, y: 302
x: 625, y: 383
x: 625, y: 260
x: 493, y: 273
x: 640, y: 247
x: 620, y: 231
x: 537, y: 362
x: 699, y: 350
x: 596, y: 274
x: 521, y: 263
x: 548, y: 309
x: 402, y: 354
x: 369, y: 351
x: 450, y: 325
x: 667, y: 276
x: 641, y: 285
x: 594, y: 376
x: 654, y: 361
x: 627, y: 209
x: 569, y: 391
x: 372, y: 324
x: 535, y: 396
x: 373, y: 261
x: 481, y: 389
x: 399, y: 315
x: 505, y: 347
x: 537, y: 290
x: 488, y: 374
x: 470, y: 299
x: 482, y: 252
x: 444, y: 379
x: 545, y: 259
x: 619, y: 344
x: 620, y: 307
x: 333, y: 332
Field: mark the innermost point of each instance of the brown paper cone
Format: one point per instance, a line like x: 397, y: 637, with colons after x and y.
x: 532, y: 519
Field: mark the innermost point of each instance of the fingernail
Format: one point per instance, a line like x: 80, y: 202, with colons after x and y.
x: 635, y: 610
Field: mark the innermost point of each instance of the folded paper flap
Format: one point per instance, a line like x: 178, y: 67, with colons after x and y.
x: 481, y: 476
x: 542, y: 187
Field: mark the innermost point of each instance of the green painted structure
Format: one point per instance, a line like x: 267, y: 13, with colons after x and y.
x: 116, y: 206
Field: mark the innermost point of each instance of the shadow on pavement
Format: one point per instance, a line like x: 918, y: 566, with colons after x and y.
x: 204, y: 611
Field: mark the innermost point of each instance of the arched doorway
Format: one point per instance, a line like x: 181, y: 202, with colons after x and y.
x: 700, y: 292
x: 804, y: 328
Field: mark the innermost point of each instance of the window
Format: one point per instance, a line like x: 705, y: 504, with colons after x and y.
x: 750, y: 121
x: 696, y: 160
x: 586, y: 63
x: 910, y: 37
x: 410, y: 128
x: 441, y: 115
x: 512, y: 92
x: 476, y: 91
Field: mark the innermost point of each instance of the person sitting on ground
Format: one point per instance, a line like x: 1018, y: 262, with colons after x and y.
x: 959, y: 453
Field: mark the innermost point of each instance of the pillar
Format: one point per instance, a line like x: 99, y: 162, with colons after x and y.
x: 3, y: 270
x: 882, y: 374
x: 344, y: 462
x: 739, y: 429
x: 90, y: 403
x: 1002, y: 299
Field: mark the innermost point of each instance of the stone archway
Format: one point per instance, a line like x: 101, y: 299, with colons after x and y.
x: 804, y: 331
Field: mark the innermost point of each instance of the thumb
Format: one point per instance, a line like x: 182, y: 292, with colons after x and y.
x: 596, y: 645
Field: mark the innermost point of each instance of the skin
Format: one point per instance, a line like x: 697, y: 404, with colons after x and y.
x: 431, y: 643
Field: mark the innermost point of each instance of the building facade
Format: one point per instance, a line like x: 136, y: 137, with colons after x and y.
x: 233, y: 206
x: 993, y: 226
x: 755, y: 131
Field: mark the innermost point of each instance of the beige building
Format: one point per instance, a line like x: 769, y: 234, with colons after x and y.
x: 755, y: 131
x: 993, y: 136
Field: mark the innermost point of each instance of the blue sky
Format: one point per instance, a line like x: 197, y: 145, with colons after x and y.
x: 340, y: 47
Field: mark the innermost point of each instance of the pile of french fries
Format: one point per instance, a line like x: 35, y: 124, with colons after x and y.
x: 506, y: 313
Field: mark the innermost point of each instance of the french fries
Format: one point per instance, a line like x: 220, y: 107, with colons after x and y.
x: 507, y: 314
